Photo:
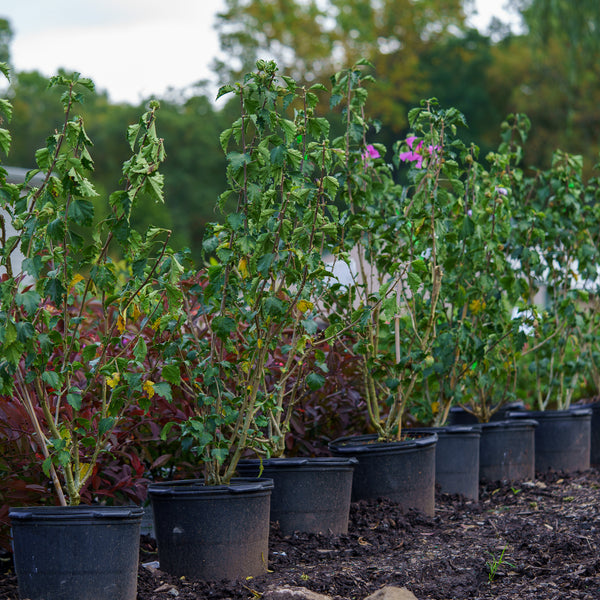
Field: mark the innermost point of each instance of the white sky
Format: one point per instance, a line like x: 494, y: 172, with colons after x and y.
x: 131, y: 48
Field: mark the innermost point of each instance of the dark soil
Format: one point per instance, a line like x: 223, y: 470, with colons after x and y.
x: 533, y: 540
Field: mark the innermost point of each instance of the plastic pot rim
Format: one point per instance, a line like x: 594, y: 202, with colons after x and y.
x: 551, y: 413
x: 197, y: 488
x: 317, y: 462
x: 82, y: 512
x: 474, y: 428
x: 363, y: 444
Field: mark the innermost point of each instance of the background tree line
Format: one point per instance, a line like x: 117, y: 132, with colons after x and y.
x: 420, y: 49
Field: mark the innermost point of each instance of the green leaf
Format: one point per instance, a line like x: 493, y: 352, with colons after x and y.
x: 89, y: 353
x: 273, y: 307
x: 140, y: 350
x: 225, y: 89
x: 82, y: 212
x: 55, y: 290
x: 220, y: 454
x: 46, y: 466
x: 318, y: 127
x: 278, y: 155
x: 264, y: 264
x: 13, y: 352
x: 10, y: 333
x: 224, y: 138
x: 238, y: 160
x: 171, y: 373
x: 223, y: 326
x: 29, y: 300
x: 315, y: 381
x: 289, y: 129
x: 5, y: 139
x: 25, y: 331
x: 310, y: 326
x: 105, y: 425
x: 56, y: 229
x: 74, y: 399
x: 52, y: 379
x: 165, y: 430
x: 414, y: 281
x: 163, y: 389
x: 235, y: 221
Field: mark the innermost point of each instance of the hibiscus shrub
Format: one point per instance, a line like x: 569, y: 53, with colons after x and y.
x: 136, y: 452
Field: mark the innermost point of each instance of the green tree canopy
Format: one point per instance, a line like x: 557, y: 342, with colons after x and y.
x: 6, y: 35
x: 312, y: 39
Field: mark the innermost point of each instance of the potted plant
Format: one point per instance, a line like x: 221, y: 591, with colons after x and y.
x: 249, y: 324
x: 554, y: 244
x: 588, y: 331
x: 75, y: 380
x: 482, y: 326
x: 391, y: 290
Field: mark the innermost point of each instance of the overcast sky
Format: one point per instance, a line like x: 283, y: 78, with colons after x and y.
x: 131, y: 48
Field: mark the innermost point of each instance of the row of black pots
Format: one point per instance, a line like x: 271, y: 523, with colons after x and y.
x: 513, y: 447
x: 196, y: 539
x: 91, y: 552
x: 301, y: 494
x: 565, y: 440
x: 206, y: 532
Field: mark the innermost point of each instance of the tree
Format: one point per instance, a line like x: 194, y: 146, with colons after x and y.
x: 311, y: 39
x: 458, y: 72
x: 562, y: 86
x: 6, y: 35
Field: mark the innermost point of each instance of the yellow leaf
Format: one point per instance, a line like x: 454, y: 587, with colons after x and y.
x: 76, y: 279
x: 243, y: 267
x: 65, y: 434
x: 148, y: 387
x: 121, y: 324
x: 113, y: 381
x: 476, y: 306
x: 304, y: 305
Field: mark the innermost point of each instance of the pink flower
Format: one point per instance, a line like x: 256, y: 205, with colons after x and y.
x: 502, y: 191
x: 415, y: 153
x: 412, y: 157
x: 370, y: 152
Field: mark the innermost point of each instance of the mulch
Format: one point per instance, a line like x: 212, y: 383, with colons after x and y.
x: 529, y: 540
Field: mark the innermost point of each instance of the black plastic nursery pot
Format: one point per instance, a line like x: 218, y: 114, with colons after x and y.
x: 456, y: 458
x: 76, y: 552
x: 562, y: 438
x: 402, y: 471
x: 595, y: 434
x: 310, y: 494
x: 212, y: 532
x: 595, y: 430
x: 507, y: 450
